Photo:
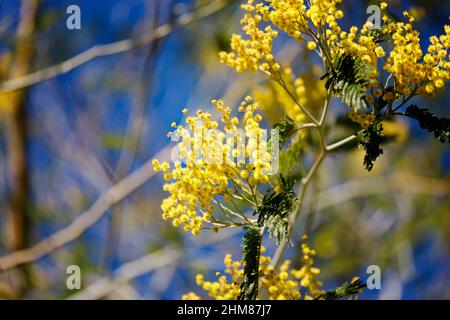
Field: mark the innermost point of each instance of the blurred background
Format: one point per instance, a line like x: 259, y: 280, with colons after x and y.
x: 97, y: 105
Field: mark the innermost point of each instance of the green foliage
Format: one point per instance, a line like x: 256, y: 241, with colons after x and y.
x: 289, y: 158
x: 276, y: 207
x: 370, y: 140
x: 347, y: 289
x: 286, y: 128
x: 349, y: 78
x: 380, y: 35
x: 440, y: 126
x: 251, y: 249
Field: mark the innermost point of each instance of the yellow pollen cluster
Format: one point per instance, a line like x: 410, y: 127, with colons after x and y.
x: 402, y: 65
x: 287, y: 15
x: 291, y: 16
x: 255, y: 52
x: 324, y: 11
x: 412, y: 69
x: 217, y: 159
x: 285, y: 284
x: 359, y: 44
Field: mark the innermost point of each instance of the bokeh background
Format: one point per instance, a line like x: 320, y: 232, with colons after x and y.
x: 66, y: 140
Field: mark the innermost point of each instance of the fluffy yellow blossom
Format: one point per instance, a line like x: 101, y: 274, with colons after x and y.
x: 391, y: 74
x: 255, y: 52
x: 292, y: 17
x: 311, y: 45
x: 379, y: 51
x: 216, y: 160
x: 284, y: 284
x: 190, y: 296
x: 413, y: 70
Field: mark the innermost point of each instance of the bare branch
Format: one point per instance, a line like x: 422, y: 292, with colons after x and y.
x: 111, y: 48
x: 340, y: 143
x: 381, y: 185
x: 88, y: 218
x: 128, y: 272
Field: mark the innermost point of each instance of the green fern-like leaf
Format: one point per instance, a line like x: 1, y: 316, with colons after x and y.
x: 276, y: 207
x: 370, y: 140
x: 440, y: 126
x: 347, y: 289
x: 379, y: 35
x: 349, y: 78
x: 289, y: 157
x: 286, y: 128
x: 251, y: 248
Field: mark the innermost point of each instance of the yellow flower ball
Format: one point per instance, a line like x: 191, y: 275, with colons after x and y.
x: 311, y: 45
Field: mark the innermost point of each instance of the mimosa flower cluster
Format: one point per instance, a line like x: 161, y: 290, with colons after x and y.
x: 401, y: 64
x: 218, y: 160
x: 283, y: 284
x: 413, y: 70
x: 253, y: 53
x: 373, y: 71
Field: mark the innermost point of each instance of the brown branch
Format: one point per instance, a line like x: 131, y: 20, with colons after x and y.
x: 16, y: 128
x: 16, y: 133
x: 15, y: 116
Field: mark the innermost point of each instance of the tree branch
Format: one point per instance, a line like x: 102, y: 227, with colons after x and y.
x: 340, y: 143
x: 128, y: 272
x: 111, y: 48
x: 381, y: 185
x: 88, y: 218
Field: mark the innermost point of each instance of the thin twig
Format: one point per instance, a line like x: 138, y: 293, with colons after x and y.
x: 324, y: 150
x: 294, y: 98
x: 340, y: 143
x: 87, y: 219
x: 127, y: 272
x: 110, y: 48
